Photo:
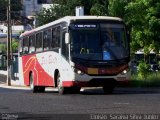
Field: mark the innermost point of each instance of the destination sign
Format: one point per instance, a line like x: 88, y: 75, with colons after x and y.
x: 85, y: 26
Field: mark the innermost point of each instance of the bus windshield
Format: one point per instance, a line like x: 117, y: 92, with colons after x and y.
x: 102, y: 41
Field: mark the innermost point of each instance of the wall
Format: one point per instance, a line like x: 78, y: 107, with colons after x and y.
x: 31, y: 7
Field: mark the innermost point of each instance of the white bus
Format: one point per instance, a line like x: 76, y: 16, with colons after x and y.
x: 75, y: 52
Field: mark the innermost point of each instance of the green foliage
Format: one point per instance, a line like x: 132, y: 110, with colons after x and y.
x: 152, y: 80
x: 99, y: 7
x: 143, y: 70
x: 47, y: 15
x: 14, y: 45
x: 117, y: 8
x: 142, y: 16
x: 61, y: 8
x: 3, y: 48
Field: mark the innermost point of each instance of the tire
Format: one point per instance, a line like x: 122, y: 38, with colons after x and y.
x: 33, y: 88
x: 75, y: 90
x: 62, y: 90
x: 41, y: 89
x: 109, y: 88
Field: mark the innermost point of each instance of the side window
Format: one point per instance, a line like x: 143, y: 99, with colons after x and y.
x: 39, y: 42
x: 21, y: 46
x: 25, y: 45
x: 47, y: 39
x: 32, y: 43
x: 49, y: 36
x: 55, y: 37
x: 45, y: 42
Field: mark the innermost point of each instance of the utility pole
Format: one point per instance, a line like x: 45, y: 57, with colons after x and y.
x: 8, y: 43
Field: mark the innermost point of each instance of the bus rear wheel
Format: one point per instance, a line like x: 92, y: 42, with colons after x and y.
x: 41, y: 89
x: 34, y: 88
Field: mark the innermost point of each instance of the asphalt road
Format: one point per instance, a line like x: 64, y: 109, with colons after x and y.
x: 23, y: 104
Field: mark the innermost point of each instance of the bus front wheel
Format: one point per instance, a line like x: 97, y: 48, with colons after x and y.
x: 61, y: 89
x: 109, y: 88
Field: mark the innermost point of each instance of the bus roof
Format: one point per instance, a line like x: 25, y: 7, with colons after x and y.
x: 68, y: 19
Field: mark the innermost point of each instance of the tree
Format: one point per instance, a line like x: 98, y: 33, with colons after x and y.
x: 144, y: 19
x: 61, y: 8
x: 117, y: 7
x: 153, y: 18
x: 3, y: 10
x: 16, y: 6
x: 99, y: 7
x: 14, y: 45
x: 48, y: 15
x: 3, y: 48
x: 68, y: 6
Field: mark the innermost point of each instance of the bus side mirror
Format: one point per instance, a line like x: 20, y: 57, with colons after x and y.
x: 66, y: 38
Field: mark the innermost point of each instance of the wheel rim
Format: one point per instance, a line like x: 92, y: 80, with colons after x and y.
x: 31, y: 82
x: 59, y: 83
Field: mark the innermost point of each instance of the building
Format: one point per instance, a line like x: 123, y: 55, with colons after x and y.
x: 32, y: 7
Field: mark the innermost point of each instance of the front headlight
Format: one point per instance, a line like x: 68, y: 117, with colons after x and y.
x: 79, y: 72
x: 125, y: 71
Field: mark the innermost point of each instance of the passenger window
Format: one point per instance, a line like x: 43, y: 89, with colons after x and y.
x: 39, y: 42
x: 21, y: 46
x: 25, y: 45
x: 55, y: 37
x: 32, y: 44
x: 47, y: 39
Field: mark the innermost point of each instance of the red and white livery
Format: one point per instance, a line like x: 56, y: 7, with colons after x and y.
x: 75, y: 52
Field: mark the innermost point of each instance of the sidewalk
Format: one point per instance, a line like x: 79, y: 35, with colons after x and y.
x: 15, y: 84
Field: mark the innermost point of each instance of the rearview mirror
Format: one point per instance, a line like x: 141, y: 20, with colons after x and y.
x: 66, y: 38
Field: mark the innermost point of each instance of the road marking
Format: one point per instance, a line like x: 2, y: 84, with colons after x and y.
x: 121, y: 103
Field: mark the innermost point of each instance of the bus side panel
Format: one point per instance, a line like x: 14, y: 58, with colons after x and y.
x: 28, y: 63
x: 20, y: 71
x: 41, y: 78
x: 51, y: 61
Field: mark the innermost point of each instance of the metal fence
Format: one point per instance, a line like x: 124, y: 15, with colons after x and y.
x: 14, y: 65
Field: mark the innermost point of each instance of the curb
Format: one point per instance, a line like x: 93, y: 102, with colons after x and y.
x: 15, y: 84
x: 14, y: 87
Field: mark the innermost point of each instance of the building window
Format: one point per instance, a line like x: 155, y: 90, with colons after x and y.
x: 41, y: 1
